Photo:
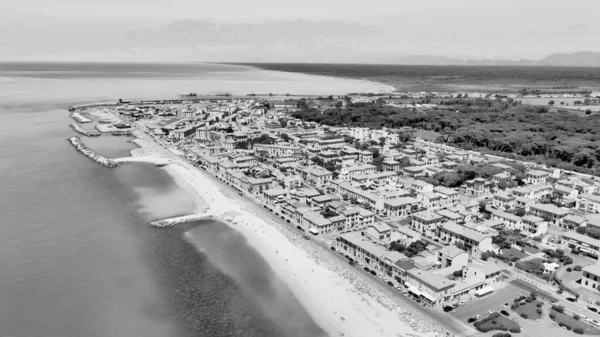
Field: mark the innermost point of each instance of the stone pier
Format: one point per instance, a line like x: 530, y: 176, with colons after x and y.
x: 170, y: 222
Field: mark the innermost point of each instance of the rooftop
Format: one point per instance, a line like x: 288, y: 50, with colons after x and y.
x: 593, y: 269
x: 427, y: 215
x: 549, y: 208
x: 581, y: 238
x: 451, y: 251
x: 380, y: 227
x: 401, y: 201
x: 431, y: 280
x: 590, y: 197
x: 360, y: 241
x: 464, y: 231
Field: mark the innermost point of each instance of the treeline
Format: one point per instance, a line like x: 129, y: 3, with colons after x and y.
x: 558, y: 139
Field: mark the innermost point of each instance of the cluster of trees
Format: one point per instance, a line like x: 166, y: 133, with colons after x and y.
x: 413, y: 249
x: 559, y: 139
x: 330, y: 165
x: 589, y: 231
x: 247, y: 144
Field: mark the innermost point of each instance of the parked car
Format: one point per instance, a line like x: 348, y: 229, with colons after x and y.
x: 478, y: 316
x: 448, y: 308
x: 505, y: 313
x: 300, y: 228
x: 463, y: 302
x: 333, y: 248
x: 306, y: 237
x: 352, y: 263
x: 367, y: 269
x: 390, y: 283
x: 592, y: 309
x: 571, y: 299
x: 405, y: 293
x: 241, y: 193
x: 373, y: 273
x: 506, y: 305
x: 583, y: 317
x: 491, y: 311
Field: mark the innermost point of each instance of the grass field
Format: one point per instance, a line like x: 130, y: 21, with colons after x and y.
x: 499, y: 323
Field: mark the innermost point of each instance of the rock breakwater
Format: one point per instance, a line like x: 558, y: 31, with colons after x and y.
x: 91, y: 154
x: 79, y: 118
x: 167, y: 223
x: 84, y: 132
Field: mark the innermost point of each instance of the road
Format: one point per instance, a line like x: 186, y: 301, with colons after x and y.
x: 448, y: 322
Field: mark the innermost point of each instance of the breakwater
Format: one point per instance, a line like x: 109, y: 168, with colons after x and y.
x: 170, y: 222
x: 91, y: 154
x: 79, y: 118
x: 88, y: 133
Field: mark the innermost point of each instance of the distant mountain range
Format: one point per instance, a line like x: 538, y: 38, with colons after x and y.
x: 579, y: 59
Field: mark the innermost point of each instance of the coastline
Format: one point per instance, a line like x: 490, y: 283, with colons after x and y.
x: 340, y: 307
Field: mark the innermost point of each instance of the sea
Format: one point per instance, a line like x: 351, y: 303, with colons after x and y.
x: 77, y: 257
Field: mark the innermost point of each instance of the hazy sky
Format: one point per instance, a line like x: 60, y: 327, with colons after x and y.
x: 366, y: 31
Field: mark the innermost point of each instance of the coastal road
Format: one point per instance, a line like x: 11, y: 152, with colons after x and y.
x: 450, y: 324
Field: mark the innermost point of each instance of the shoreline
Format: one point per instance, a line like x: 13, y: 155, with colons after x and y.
x: 339, y: 306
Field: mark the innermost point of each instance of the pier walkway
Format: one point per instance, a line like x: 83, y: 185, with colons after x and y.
x: 158, y: 161
x: 170, y: 222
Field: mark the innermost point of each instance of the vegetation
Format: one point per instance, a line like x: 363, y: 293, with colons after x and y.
x: 572, y: 323
x: 496, y: 321
x: 559, y: 139
x: 528, y: 310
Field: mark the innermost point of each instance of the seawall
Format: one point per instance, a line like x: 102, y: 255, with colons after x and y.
x: 91, y: 154
x: 88, y: 133
x: 170, y: 222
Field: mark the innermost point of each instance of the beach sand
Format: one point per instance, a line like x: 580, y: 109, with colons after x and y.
x: 339, y: 306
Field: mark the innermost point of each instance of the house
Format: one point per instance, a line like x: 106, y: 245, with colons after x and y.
x: 534, y: 225
x: 562, y: 193
x: 274, y: 196
x: 275, y: 151
x: 502, y: 177
x: 448, y: 215
x: 449, y: 165
x: 365, y: 157
x: 588, y: 203
x: 582, y: 243
x: 486, y: 271
x: 449, y: 196
x: 591, y: 277
x: 524, y: 203
x: 426, y: 221
x: 549, y: 212
x: 379, y: 231
x: 511, y: 221
x: 414, y: 171
x: 346, y: 173
x: 503, y: 200
x: 572, y: 222
x: 429, y: 287
x: 400, y: 206
x: 315, y: 175
x: 390, y: 165
x: 473, y: 241
x: 536, y: 177
x: 453, y: 258
x: 430, y: 200
x: 477, y: 187
x: 317, y: 221
x: 405, y: 235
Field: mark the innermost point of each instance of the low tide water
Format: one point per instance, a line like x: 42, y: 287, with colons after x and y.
x: 77, y: 256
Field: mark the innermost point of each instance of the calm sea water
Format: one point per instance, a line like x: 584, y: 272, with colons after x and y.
x: 77, y: 257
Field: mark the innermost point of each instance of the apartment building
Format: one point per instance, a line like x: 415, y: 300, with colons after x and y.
x: 582, y: 243
x: 589, y: 203
x: 550, y: 212
x: 426, y: 221
x: 591, y: 277
x: 473, y: 241
x: 429, y: 287
x: 536, y: 177
x: 502, y: 200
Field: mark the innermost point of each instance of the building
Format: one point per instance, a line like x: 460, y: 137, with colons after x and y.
x: 315, y: 175
x: 379, y: 231
x: 534, y: 225
x: 588, y: 203
x: 363, y: 249
x: 400, y: 206
x: 562, y: 193
x: 426, y: 221
x: 582, y: 243
x: 536, y: 177
x: 449, y: 196
x: 405, y: 235
x: 572, y: 222
x: 429, y: 287
x: 486, y: 271
x: 452, y: 258
x: 471, y: 240
x: 430, y: 200
x: 549, y: 212
x: 478, y: 187
x: 276, y: 151
x: 510, y: 221
x: 591, y: 277
x: 503, y: 200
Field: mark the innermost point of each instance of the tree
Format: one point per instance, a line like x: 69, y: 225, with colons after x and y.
x: 520, y: 212
x: 339, y: 104
x: 285, y: 137
x: 588, y: 111
x: 283, y: 123
x: 581, y: 230
x: 381, y: 141
x: 551, y: 102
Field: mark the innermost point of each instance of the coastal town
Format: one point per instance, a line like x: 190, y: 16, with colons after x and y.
x: 507, y: 245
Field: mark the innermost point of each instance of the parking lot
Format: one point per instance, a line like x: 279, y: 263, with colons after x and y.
x: 494, y: 301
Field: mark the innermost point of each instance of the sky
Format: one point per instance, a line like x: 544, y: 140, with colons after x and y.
x: 375, y: 31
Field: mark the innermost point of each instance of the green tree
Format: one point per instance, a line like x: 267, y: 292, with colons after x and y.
x: 551, y: 102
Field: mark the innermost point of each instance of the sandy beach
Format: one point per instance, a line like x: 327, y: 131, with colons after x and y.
x: 334, y: 295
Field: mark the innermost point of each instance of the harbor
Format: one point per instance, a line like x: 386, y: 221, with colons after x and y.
x: 84, y: 132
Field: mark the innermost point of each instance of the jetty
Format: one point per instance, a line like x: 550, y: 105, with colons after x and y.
x: 84, y: 132
x: 91, y: 154
x: 170, y: 222
x: 79, y: 118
